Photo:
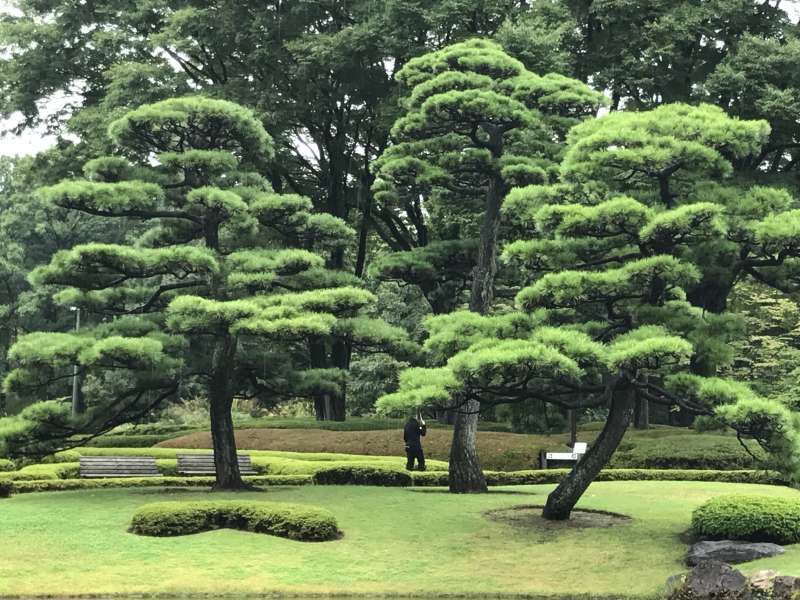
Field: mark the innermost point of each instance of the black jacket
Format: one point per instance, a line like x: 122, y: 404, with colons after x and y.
x: 413, y: 432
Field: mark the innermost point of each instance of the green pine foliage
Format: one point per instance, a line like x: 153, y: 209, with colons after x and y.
x: 615, y: 253
x: 475, y: 123
x: 225, y: 286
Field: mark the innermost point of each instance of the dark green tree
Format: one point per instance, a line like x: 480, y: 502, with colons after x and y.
x: 605, y: 320
x: 475, y: 123
x: 220, y: 283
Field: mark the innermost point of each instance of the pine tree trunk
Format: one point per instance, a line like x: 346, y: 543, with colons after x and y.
x: 465, y: 469
x: 222, y: 432
x: 562, y: 500
x: 465, y: 474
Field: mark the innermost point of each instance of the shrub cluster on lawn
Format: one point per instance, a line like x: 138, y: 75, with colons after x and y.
x: 296, y: 522
x: 751, y: 518
x: 6, y: 465
x: 363, y: 475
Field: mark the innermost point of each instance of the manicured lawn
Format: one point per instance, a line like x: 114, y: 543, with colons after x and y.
x: 396, y: 541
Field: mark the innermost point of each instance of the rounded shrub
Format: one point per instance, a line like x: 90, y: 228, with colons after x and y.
x: 293, y: 521
x: 750, y: 518
x: 361, y: 475
x: 6, y: 465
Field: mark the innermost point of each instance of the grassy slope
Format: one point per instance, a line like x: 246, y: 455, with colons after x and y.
x: 396, y: 540
x: 498, y: 451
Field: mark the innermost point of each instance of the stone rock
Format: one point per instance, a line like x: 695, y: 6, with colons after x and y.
x: 731, y: 551
x: 715, y: 580
x: 785, y: 587
x: 763, y: 581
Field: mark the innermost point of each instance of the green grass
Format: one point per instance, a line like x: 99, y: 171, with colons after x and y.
x: 395, y: 541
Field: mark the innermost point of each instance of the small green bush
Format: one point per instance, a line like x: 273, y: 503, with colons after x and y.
x: 751, y: 518
x: 6, y: 487
x: 6, y: 465
x: 362, y: 475
x: 296, y: 522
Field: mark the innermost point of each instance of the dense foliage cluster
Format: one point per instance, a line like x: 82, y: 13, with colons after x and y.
x: 751, y: 518
x: 296, y: 522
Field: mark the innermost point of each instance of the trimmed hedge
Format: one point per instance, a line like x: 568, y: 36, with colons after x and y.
x: 58, y: 485
x: 43, y: 471
x: 6, y: 487
x: 750, y: 518
x: 6, y: 465
x: 549, y: 476
x: 362, y: 475
x: 293, y: 521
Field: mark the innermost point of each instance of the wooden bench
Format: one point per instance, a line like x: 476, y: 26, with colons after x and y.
x: 118, y: 466
x: 578, y: 450
x: 203, y: 464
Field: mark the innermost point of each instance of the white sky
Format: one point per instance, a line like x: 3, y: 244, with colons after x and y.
x: 35, y: 140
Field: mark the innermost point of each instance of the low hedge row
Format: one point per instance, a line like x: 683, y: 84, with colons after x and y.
x: 386, y: 477
x: 43, y: 471
x: 6, y: 487
x: 57, y: 485
x: 363, y: 475
x: 750, y: 518
x: 6, y: 465
x: 360, y: 475
x: 293, y: 521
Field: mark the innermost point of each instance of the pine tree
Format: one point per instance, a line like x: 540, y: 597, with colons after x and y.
x: 221, y: 282
x: 475, y: 123
x: 604, y: 320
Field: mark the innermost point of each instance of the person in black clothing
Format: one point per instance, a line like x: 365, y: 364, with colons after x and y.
x: 414, y: 430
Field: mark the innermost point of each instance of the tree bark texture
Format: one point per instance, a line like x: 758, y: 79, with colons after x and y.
x: 465, y: 471
x: 222, y: 433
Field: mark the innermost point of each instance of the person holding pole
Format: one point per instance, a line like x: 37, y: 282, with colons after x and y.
x: 413, y: 433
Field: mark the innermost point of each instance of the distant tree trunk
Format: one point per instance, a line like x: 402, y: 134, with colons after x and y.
x: 562, y: 500
x: 465, y: 474
x: 222, y: 432
x: 340, y: 357
x: 641, y: 415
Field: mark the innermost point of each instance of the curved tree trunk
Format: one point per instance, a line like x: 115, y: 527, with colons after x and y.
x: 222, y: 432
x: 562, y: 500
x: 466, y: 475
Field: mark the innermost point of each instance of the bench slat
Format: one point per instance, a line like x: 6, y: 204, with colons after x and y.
x: 118, y: 466
x: 203, y: 464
